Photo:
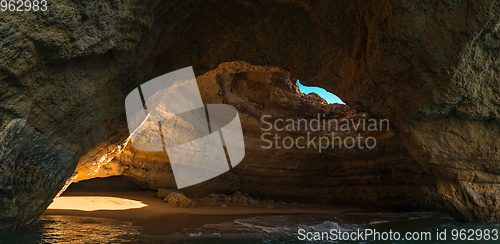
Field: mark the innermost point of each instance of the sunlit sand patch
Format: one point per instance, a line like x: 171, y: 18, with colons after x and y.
x: 95, y: 203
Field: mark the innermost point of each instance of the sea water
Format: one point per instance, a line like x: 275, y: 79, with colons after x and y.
x: 428, y: 227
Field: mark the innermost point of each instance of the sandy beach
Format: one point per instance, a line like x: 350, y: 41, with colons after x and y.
x: 155, y: 217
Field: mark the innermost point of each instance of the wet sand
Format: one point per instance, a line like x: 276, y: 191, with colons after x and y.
x: 155, y: 217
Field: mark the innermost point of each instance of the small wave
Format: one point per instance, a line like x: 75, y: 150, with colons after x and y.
x: 266, y: 224
x: 314, y: 223
x: 379, y: 222
x: 327, y: 226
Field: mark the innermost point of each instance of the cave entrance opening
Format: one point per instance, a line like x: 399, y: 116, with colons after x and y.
x: 328, y: 96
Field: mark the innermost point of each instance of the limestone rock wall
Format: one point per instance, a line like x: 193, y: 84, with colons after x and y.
x: 433, y: 69
x: 58, y: 94
x: 385, y: 176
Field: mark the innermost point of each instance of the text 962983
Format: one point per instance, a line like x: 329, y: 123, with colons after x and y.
x: 23, y: 6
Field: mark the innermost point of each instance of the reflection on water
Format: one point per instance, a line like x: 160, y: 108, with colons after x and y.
x: 72, y: 229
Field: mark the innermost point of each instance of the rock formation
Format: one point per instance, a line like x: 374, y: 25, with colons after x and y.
x: 301, y: 172
x: 179, y: 200
x: 431, y: 68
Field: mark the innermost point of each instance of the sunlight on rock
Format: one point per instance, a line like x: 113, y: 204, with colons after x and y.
x: 95, y: 203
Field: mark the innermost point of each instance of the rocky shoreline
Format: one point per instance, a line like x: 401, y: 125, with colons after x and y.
x: 178, y: 199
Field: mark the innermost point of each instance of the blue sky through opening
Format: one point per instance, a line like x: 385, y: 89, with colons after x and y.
x: 329, y: 97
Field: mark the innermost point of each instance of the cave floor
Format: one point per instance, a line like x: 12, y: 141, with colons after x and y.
x: 155, y: 217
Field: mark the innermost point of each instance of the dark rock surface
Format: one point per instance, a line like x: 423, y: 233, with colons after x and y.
x: 430, y: 67
x: 433, y: 69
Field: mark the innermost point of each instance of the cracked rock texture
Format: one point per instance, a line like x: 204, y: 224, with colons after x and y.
x: 430, y: 67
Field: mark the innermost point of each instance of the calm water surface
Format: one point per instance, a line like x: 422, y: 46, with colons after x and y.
x: 258, y: 230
